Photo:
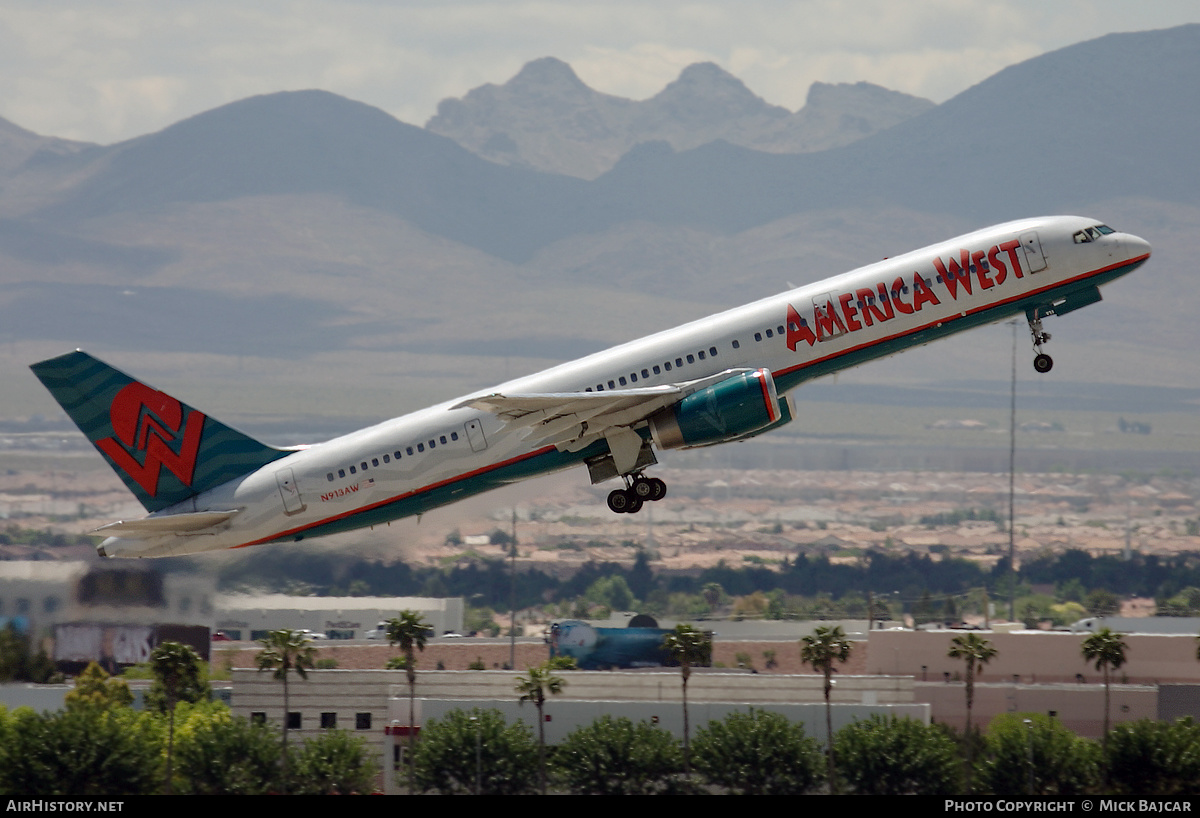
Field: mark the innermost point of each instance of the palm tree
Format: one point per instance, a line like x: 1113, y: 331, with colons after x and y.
x: 285, y: 650
x: 976, y: 652
x: 409, y: 631
x: 687, y: 646
x: 820, y: 650
x: 1107, y: 650
x: 175, y: 666
x: 533, y: 687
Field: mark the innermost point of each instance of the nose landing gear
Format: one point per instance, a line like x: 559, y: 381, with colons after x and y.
x: 638, y: 490
x: 1041, y: 362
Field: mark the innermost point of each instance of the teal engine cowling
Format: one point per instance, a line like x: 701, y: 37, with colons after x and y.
x: 741, y: 406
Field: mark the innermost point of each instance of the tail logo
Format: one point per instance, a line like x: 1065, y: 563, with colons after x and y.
x: 151, y: 431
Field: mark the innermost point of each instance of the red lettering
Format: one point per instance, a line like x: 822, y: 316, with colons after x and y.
x: 1010, y: 247
x: 797, y: 330
x: 827, y: 320
x: 981, y: 271
x: 849, y: 311
x: 922, y: 292
x: 871, y: 311
x: 997, y: 265
x: 897, y: 289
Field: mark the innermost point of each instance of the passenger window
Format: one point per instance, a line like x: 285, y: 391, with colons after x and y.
x: 433, y: 444
x: 375, y: 462
x: 712, y: 351
x: 646, y: 373
x: 341, y: 472
x: 691, y: 359
x: 442, y: 440
x: 701, y: 354
x: 329, y: 477
x: 353, y: 470
x: 779, y: 329
x: 679, y: 361
x: 769, y: 334
x: 612, y: 385
x: 454, y: 435
x: 622, y: 380
x: 633, y: 377
x: 396, y: 454
x: 667, y: 365
x: 387, y: 458
x: 736, y: 345
x: 758, y: 336
x: 420, y: 447
x: 657, y: 370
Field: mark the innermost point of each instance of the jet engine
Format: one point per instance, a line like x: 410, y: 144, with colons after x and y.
x: 738, y: 407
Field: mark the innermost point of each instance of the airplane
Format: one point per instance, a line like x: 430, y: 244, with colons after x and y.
x: 720, y: 379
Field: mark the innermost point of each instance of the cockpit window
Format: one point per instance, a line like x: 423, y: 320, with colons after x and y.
x: 1104, y: 229
x: 1082, y: 237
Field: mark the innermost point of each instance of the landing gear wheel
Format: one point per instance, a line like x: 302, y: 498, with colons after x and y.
x: 660, y: 490
x: 1043, y: 363
x: 643, y: 487
x: 618, y: 501
x: 635, y: 505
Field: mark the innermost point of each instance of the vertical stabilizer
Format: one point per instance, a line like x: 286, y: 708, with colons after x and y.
x: 163, y: 449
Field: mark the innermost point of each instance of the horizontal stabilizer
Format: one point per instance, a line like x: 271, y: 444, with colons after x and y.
x: 181, y: 525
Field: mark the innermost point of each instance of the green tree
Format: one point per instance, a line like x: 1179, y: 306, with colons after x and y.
x: 758, y: 753
x: 284, y: 651
x: 409, y: 631
x: 95, y: 689
x: 614, y: 756
x: 1107, y: 650
x: 1148, y: 757
x: 83, y: 751
x: 223, y: 754
x: 334, y: 763
x: 476, y: 751
x: 976, y: 652
x: 534, y: 686
x: 890, y: 756
x: 820, y: 650
x: 1031, y: 747
x: 19, y: 662
x: 686, y: 647
x: 177, y: 673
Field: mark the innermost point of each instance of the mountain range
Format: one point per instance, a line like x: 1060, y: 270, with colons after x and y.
x: 310, y: 238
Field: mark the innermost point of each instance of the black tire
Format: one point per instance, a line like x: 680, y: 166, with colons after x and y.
x: 643, y: 487
x: 618, y: 501
x: 635, y: 503
x: 1043, y: 363
x: 660, y: 489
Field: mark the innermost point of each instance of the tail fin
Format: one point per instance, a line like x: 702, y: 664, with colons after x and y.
x: 164, y: 450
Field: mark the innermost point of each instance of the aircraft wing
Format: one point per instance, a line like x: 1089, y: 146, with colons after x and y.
x: 199, y: 522
x: 573, y: 420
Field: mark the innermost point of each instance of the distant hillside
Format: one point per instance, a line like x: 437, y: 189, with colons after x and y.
x: 546, y: 118
x: 301, y: 237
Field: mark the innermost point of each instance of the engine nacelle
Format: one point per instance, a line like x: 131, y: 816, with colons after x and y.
x: 737, y: 407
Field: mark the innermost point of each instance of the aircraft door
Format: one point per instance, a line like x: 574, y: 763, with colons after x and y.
x: 475, y: 435
x: 289, y: 492
x: 1035, y: 258
x: 826, y: 321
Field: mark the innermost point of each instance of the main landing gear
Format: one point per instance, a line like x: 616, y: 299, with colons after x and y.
x: 639, y: 489
x: 1041, y: 362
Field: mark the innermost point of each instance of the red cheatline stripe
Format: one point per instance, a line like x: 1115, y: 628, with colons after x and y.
x: 404, y: 496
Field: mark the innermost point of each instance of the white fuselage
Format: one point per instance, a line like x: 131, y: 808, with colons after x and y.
x: 441, y: 454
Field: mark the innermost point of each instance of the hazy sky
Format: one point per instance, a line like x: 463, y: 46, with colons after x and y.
x: 107, y: 70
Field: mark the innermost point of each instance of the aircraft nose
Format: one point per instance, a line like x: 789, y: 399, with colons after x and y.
x: 1138, y: 247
